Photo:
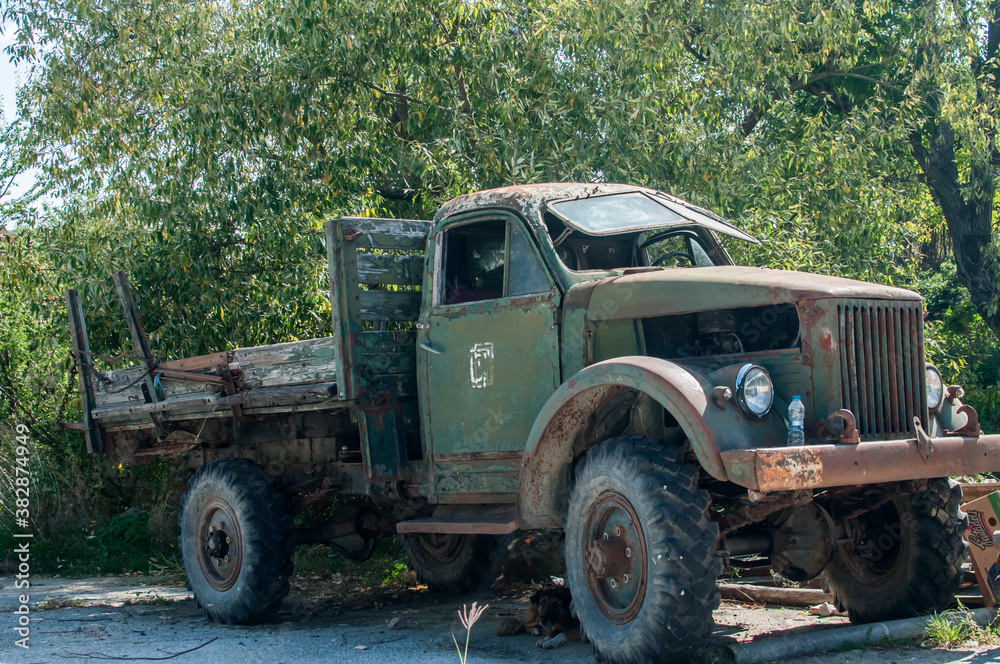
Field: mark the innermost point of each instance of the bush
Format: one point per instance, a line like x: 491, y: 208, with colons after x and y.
x: 961, y: 345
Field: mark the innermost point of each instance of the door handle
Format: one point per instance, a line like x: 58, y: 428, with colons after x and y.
x: 426, y: 345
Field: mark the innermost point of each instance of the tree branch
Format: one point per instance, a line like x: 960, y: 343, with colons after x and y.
x: 693, y: 50
x: 463, y: 92
x: 751, y: 119
x: 861, y: 77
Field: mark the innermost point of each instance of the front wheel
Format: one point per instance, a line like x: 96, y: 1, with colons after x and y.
x: 451, y: 563
x: 641, y: 552
x: 234, y: 541
x: 905, y: 558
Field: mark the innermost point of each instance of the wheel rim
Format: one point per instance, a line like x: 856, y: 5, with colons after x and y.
x: 220, y: 544
x: 443, y: 547
x: 615, y: 557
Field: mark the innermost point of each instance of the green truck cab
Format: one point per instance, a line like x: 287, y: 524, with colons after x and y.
x: 583, y: 357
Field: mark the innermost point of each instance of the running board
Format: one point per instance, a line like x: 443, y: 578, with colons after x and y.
x: 465, y: 520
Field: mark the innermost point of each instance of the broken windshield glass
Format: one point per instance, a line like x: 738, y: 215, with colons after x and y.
x: 631, y: 211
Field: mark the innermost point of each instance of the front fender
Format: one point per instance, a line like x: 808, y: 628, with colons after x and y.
x: 683, y: 391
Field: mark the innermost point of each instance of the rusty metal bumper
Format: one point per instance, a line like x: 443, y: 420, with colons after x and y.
x: 816, y: 466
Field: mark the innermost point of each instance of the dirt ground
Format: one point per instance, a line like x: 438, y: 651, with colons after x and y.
x: 141, y: 618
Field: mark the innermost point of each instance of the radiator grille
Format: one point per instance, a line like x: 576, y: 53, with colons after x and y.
x: 882, y: 365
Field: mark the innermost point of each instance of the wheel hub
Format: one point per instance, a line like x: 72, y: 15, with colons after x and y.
x: 608, y: 558
x: 615, y: 558
x: 220, y: 554
x: 218, y: 543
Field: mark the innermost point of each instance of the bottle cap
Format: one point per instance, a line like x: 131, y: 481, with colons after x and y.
x: 796, y: 396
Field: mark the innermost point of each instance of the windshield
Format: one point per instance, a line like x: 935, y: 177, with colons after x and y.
x: 686, y: 246
x: 632, y: 211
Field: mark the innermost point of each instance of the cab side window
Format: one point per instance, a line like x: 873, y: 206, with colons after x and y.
x: 488, y: 260
x: 526, y: 274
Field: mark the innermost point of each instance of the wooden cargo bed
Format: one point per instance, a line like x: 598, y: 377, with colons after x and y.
x: 280, y: 377
x: 352, y: 393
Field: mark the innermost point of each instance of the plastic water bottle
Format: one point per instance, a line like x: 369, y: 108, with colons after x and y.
x: 796, y: 421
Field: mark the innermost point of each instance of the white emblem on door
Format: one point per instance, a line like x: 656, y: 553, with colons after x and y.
x: 481, y: 364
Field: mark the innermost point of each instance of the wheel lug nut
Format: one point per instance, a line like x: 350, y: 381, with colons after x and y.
x: 211, y: 529
x: 626, y: 578
x: 607, y: 535
x: 628, y: 552
x: 613, y: 583
x: 211, y: 544
x: 226, y: 559
x: 619, y: 531
x: 217, y: 562
x: 229, y: 540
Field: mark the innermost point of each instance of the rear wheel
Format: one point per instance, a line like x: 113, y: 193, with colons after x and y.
x: 905, y: 558
x: 641, y: 552
x: 451, y: 563
x: 234, y: 542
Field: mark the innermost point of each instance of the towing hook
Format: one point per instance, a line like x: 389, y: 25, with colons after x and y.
x: 971, y: 428
x: 850, y: 434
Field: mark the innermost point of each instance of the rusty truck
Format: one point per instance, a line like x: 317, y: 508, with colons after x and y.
x: 584, y: 357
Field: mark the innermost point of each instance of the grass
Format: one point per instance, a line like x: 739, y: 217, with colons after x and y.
x: 949, y: 630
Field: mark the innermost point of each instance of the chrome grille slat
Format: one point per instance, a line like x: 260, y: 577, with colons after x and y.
x: 882, y: 365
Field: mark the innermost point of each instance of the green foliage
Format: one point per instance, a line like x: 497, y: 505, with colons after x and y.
x: 386, y: 569
x: 72, y: 495
x: 199, y: 146
x: 945, y: 631
x: 126, y: 536
x: 960, y: 344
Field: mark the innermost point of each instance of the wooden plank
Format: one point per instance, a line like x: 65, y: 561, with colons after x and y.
x: 138, y: 339
x: 268, y: 397
x: 344, y: 308
x: 124, y: 387
x: 391, y: 269
x: 377, y: 233
x: 292, y: 363
x: 140, y: 410
x: 392, y: 341
x: 201, y: 362
x: 780, y: 596
x: 391, y: 363
x: 390, y: 305
x: 84, y: 365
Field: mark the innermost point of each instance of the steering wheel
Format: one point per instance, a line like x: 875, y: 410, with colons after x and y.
x: 673, y: 254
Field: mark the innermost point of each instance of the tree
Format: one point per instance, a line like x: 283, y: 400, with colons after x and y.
x: 915, y: 83
x: 214, y: 137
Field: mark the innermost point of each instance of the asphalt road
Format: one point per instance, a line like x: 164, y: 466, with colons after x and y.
x: 140, y: 619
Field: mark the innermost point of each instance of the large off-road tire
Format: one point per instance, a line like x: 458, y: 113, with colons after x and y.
x: 634, y: 498
x: 235, y: 542
x: 456, y: 563
x: 907, y: 558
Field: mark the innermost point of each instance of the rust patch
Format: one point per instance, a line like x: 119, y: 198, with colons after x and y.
x: 815, y: 466
x: 792, y: 469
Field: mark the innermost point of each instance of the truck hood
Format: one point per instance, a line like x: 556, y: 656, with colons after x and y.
x: 662, y: 291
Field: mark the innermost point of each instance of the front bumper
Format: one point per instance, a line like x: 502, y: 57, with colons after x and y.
x: 817, y: 466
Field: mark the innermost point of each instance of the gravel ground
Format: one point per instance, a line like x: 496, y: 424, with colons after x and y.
x: 148, y: 619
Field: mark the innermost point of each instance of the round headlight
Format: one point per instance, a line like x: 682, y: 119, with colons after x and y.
x: 754, y: 391
x: 935, y: 387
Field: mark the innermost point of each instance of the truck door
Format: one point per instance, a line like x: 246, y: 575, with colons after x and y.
x: 487, y: 357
